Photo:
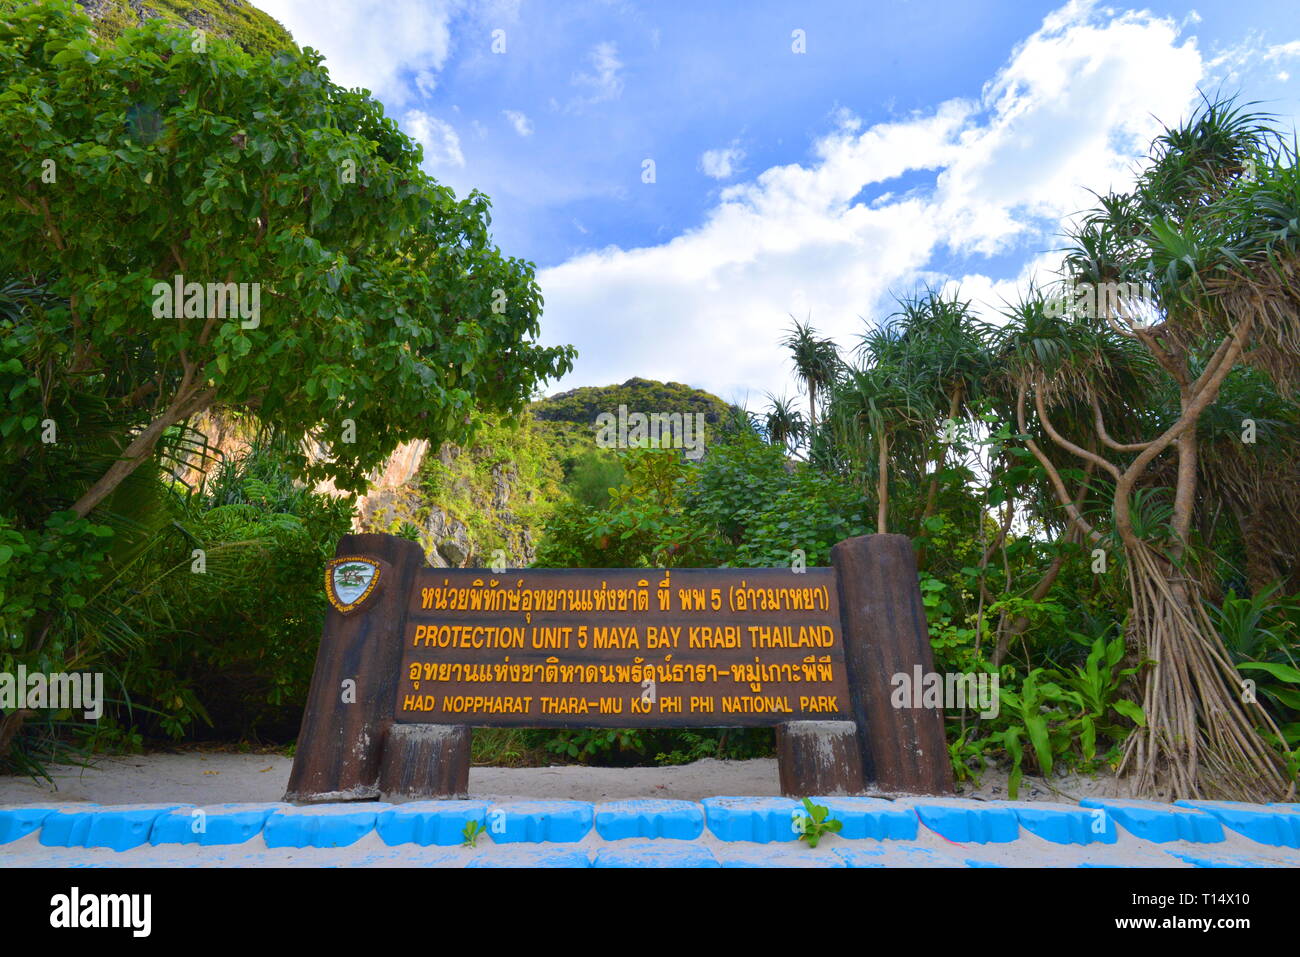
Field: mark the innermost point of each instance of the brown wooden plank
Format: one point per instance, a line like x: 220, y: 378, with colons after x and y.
x: 425, y: 762
x: 338, y: 751
x: 819, y: 757
x: 885, y: 633
x: 574, y: 648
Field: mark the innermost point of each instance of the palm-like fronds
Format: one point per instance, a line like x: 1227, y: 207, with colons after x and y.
x: 816, y: 363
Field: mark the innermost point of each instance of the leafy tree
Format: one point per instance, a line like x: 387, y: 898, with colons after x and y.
x: 375, y: 307
x: 388, y: 315
x: 642, y: 526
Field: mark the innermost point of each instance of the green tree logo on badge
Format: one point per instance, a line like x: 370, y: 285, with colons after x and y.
x: 349, y: 582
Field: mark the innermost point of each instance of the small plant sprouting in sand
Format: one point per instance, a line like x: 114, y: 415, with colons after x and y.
x: 472, y: 831
x: 813, y: 826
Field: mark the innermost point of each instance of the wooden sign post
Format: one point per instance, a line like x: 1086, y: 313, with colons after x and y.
x: 413, y: 657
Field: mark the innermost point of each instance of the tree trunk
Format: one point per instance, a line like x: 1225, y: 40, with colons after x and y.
x: 187, y: 402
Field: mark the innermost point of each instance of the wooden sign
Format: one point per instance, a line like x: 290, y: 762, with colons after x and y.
x: 623, y: 648
x: 413, y: 657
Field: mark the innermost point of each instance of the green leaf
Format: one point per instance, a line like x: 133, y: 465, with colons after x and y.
x: 1132, y: 711
x: 1276, y: 669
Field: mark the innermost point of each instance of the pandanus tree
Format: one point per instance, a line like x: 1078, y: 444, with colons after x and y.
x: 816, y: 363
x: 782, y: 423
x: 1168, y: 289
x: 1248, y: 477
x: 876, y: 408
x: 944, y: 346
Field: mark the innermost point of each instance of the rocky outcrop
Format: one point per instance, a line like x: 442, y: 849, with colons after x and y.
x: 448, y: 544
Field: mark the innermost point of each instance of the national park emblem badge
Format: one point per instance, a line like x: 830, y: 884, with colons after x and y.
x: 351, y: 581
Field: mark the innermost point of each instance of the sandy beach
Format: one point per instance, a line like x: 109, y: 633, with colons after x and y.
x: 214, y: 777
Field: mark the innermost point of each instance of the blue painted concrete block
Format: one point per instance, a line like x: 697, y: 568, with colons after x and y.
x: 1259, y: 823
x: 1063, y: 824
x: 656, y: 854
x: 426, y: 823
x: 971, y: 823
x: 863, y: 817
x: 18, y: 822
x: 559, y: 822
x: 531, y: 857
x: 757, y: 819
x: 678, y: 820
x: 1160, y: 823
x: 121, y: 827
x: 323, y: 825
x: 212, y: 825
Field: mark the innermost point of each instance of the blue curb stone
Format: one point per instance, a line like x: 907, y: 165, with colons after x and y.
x: 220, y: 824
x: 535, y: 822
x: 321, y: 825
x: 974, y: 823
x: 1161, y: 823
x: 1261, y: 824
x: 757, y: 819
x: 531, y: 857
x: 120, y: 828
x: 1068, y: 825
x: 18, y: 822
x: 655, y: 854
x: 863, y: 817
x: 429, y: 822
x: 679, y: 820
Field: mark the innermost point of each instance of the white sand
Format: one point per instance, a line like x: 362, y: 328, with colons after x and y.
x: 216, y: 777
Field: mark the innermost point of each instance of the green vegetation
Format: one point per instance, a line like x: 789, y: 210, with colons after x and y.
x: 581, y: 406
x: 236, y: 20
x: 816, y: 825
x: 389, y: 316
x: 1101, y: 486
x: 472, y: 832
x: 471, y: 501
x: 1092, y: 484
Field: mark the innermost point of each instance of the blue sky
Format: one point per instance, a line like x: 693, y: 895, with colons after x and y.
x: 907, y: 143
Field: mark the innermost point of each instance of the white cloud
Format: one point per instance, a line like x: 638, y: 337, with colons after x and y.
x: 1071, y: 108
x: 605, y: 81
x: 426, y: 82
x: 1280, y: 50
x: 722, y: 163
x: 439, y: 139
x: 519, y: 121
x: 413, y: 36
